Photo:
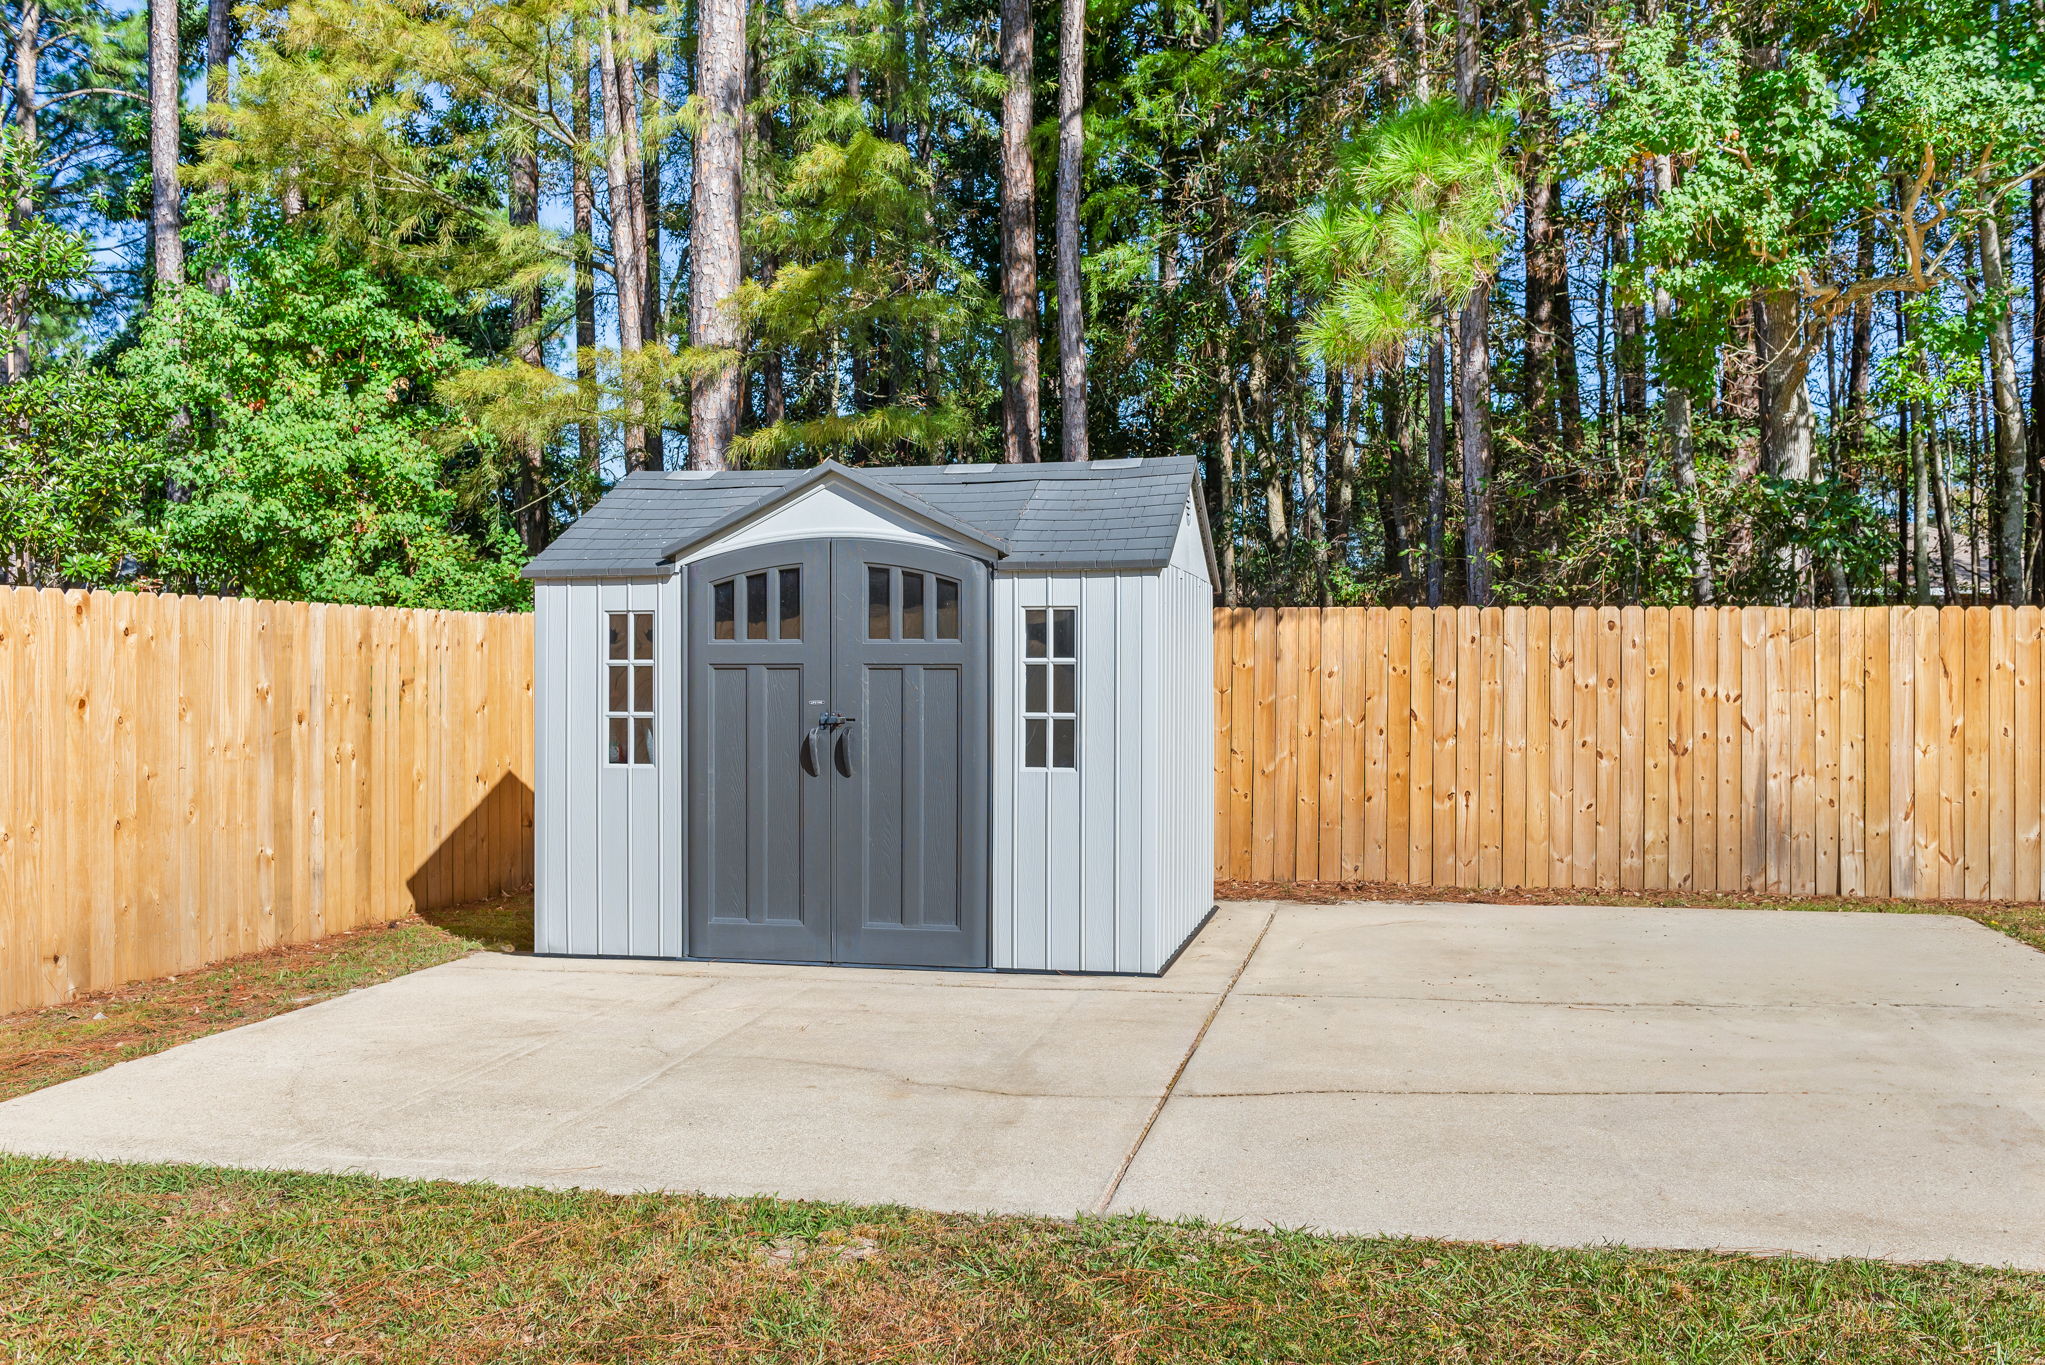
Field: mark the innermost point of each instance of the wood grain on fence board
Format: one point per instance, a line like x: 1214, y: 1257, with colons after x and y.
x: 1886, y: 751
x: 192, y: 778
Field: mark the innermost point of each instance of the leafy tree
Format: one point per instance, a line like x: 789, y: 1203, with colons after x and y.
x: 319, y: 464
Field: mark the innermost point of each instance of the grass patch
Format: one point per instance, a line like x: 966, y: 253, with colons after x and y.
x: 92, y: 1032
x: 2023, y: 921
x: 184, y: 1264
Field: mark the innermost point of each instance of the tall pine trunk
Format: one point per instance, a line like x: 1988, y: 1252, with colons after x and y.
x: 166, y: 214
x: 1020, y: 413
x: 527, y: 304
x: 715, y: 251
x: 628, y: 241
x: 1437, y: 462
x: 1473, y: 359
x: 2012, y: 447
x: 28, y: 49
x: 1071, y: 158
x: 219, y: 51
x: 582, y: 202
x: 653, y: 313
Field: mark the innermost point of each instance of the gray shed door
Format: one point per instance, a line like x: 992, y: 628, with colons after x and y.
x: 861, y: 841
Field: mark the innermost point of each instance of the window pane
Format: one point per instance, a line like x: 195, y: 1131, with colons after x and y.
x: 642, y: 635
x: 723, y: 598
x: 1033, y: 687
x: 642, y: 689
x: 617, y: 622
x: 621, y: 698
x: 880, y: 604
x: 1033, y: 744
x: 791, y: 604
x: 615, y: 751
x: 642, y: 740
x: 1061, y: 744
x: 912, y: 606
x: 1034, y: 638
x: 756, y: 606
x: 947, y: 609
x: 1061, y: 688
x: 1061, y: 634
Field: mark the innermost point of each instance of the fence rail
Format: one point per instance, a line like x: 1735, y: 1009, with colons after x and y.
x: 1890, y: 752
x: 184, y: 779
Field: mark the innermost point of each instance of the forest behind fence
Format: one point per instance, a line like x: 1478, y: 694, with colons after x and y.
x: 185, y: 779
x: 1887, y: 751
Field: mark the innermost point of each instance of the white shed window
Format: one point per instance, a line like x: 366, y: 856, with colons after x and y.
x: 628, y: 694
x: 1050, y: 687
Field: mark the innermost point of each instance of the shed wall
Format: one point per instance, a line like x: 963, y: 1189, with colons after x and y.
x: 1183, y: 836
x: 609, y: 848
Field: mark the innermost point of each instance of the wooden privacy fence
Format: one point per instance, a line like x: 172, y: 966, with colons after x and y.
x: 1861, y: 752
x: 187, y: 778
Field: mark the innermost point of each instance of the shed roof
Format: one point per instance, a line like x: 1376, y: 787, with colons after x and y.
x: 1106, y: 515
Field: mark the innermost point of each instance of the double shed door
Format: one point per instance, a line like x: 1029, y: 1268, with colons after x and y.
x: 837, y: 722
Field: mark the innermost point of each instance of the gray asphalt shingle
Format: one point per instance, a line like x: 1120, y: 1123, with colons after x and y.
x: 1118, y: 514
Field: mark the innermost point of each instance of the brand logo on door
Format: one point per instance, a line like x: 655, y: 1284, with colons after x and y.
x: 837, y: 755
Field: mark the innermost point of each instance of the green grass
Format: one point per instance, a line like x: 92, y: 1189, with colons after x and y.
x: 182, y: 1264
x: 179, y: 1264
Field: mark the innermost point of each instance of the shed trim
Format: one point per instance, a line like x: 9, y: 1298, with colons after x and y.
x: 827, y: 472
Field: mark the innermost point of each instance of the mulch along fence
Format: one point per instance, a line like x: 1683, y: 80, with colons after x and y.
x: 184, y: 779
x: 1875, y: 751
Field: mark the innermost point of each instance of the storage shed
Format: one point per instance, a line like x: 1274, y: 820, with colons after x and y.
x: 952, y: 716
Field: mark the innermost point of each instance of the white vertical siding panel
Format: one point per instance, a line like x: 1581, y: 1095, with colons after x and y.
x: 580, y: 671
x: 612, y: 884
x: 1004, y: 951
x: 1105, y: 650
x: 671, y: 645
x: 641, y: 816
x: 1034, y: 932
x: 1062, y: 855
x: 552, y: 853
x: 1143, y: 716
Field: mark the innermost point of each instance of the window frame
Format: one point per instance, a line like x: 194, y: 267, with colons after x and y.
x: 641, y: 736
x: 1049, y: 715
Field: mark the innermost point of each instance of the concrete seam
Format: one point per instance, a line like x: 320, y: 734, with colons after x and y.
x: 1164, y: 1097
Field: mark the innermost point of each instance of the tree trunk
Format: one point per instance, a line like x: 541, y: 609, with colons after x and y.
x: 28, y: 52
x: 627, y: 240
x: 166, y: 216
x: 1225, y: 447
x: 1942, y: 507
x: 1398, y: 423
x: 1788, y: 428
x: 1071, y: 158
x: 1568, y: 379
x: 1473, y: 429
x: 527, y: 305
x: 1437, y: 462
x: 1020, y: 417
x: 1860, y: 350
x: 2012, y: 446
x: 1676, y: 407
x: 219, y: 49
x: 715, y: 259
x: 1473, y: 357
x: 653, y: 322
x: 582, y: 197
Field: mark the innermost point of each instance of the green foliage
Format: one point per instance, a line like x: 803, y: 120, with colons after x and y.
x: 81, y: 482
x: 310, y: 464
x: 1409, y: 227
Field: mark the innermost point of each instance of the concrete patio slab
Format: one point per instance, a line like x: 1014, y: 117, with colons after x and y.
x: 1826, y: 1083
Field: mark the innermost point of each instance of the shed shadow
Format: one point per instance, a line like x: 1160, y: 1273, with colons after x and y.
x: 477, y: 884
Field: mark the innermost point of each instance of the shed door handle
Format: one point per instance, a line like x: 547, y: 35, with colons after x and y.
x: 809, y: 752
x: 844, y: 750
